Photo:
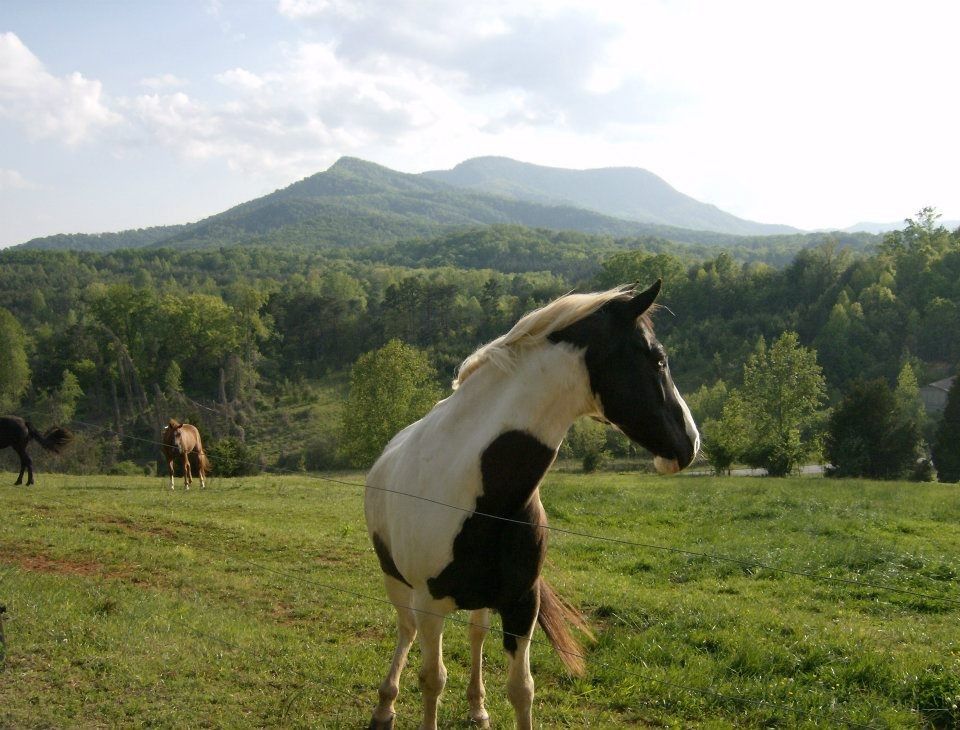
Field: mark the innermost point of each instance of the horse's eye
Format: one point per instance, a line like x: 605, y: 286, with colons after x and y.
x: 661, y: 364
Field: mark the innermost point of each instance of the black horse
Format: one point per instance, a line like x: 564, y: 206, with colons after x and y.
x: 16, y: 433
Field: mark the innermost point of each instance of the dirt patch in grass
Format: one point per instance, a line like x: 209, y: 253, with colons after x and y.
x: 133, y: 528
x: 32, y: 557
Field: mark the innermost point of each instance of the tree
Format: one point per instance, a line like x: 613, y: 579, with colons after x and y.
x: 61, y: 405
x: 873, y: 433
x: 173, y: 378
x: 231, y: 457
x: 783, y: 388
x: 907, y: 396
x: 707, y: 402
x: 587, y: 440
x: 389, y: 389
x: 623, y: 268
x: 725, y: 440
x: 15, y: 372
x: 946, y: 452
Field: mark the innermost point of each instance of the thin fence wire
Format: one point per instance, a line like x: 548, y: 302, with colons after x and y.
x: 750, y: 564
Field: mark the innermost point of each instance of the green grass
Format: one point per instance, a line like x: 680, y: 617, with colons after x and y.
x: 258, y: 602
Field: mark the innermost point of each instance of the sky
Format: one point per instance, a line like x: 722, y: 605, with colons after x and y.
x: 117, y: 115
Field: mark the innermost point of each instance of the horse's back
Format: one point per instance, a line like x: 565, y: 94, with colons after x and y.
x: 194, y: 435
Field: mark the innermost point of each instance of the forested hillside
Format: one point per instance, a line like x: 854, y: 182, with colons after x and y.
x: 243, y: 339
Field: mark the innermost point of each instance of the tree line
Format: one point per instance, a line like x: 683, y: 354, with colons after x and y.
x: 116, y: 338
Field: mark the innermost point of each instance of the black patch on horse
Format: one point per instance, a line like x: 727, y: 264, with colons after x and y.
x: 386, y: 559
x: 496, y: 563
x: 614, y: 342
x: 629, y: 374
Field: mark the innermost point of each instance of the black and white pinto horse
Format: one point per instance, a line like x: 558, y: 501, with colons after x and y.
x: 16, y: 433
x: 483, y: 451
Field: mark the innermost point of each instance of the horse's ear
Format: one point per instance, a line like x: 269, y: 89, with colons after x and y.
x: 173, y: 424
x: 644, y: 300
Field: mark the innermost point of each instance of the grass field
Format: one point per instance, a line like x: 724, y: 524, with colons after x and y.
x: 258, y: 602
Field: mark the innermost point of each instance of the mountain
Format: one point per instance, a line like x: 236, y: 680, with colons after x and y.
x: 868, y: 227
x: 630, y: 193
x: 358, y: 203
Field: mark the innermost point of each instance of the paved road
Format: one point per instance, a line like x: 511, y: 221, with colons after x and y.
x: 807, y: 469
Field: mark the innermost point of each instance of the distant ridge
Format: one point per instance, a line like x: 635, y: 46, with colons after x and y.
x: 630, y: 193
x: 132, y: 238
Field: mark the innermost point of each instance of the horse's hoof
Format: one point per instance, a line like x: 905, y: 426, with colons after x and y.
x: 376, y: 724
x: 483, y: 721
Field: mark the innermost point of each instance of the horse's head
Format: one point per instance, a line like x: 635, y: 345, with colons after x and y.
x: 630, y: 378
x: 172, y: 436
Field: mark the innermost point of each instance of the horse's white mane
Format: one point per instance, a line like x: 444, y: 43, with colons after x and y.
x: 534, y: 327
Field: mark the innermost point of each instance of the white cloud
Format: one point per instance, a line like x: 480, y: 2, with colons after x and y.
x: 163, y: 81
x: 557, y: 57
x: 69, y: 108
x: 13, y: 180
x: 239, y: 78
x: 293, y: 119
x: 300, y: 9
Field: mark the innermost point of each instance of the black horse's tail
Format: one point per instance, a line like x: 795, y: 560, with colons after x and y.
x: 555, y: 617
x: 55, y: 439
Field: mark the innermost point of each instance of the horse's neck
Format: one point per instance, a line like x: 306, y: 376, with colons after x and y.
x: 546, y: 391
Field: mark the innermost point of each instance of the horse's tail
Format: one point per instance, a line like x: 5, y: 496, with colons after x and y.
x: 204, y: 461
x: 55, y: 439
x: 555, y: 618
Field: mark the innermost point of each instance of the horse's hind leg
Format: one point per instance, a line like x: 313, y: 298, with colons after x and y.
x: 479, y: 625
x: 401, y: 597
x: 26, y: 463
x: 433, y: 675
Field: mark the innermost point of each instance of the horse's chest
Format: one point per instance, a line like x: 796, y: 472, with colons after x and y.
x: 497, y: 561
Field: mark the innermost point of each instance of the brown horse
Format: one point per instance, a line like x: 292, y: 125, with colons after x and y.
x: 184, y: 439
x: 16, y: 433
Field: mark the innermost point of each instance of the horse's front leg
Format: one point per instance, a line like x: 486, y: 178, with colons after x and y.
x: 479, y: 626
x: 26, y: 464
x: 170, y: 469
x: 401, y: 597
x: 519, y: 621
x: 187, y: 478
x: 433, y: 675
